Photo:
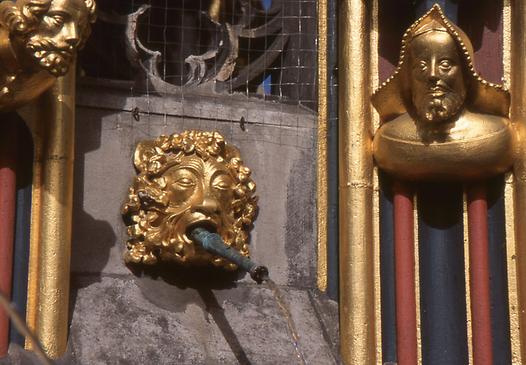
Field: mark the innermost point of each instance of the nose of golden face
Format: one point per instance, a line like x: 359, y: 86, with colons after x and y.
x: 210, y: 205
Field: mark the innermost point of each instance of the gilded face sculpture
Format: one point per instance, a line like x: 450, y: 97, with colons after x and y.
x: 440, y: 120
x: 200, y: 193
x: 50, y: 31
x: 188, y: 180
x: 437, y: 84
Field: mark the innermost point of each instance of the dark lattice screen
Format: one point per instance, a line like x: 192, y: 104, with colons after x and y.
x: 269, y: 45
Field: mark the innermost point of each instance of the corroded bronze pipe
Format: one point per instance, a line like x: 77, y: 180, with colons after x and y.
x: 213, y: 243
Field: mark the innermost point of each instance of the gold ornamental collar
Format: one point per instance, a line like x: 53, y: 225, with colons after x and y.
x: 394, y: 95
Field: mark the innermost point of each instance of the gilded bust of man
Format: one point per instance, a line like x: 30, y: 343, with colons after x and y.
x: 38, y: 42
x: 441, y: 120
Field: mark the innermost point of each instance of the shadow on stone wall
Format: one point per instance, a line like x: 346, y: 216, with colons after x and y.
x: 173, y: 288
x: 92, y: 239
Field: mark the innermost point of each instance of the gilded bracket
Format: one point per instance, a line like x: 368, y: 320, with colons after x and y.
x: 38, y: 44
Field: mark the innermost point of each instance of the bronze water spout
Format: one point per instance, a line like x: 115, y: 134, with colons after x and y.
x: 213, y: 243
x: 192, y: 203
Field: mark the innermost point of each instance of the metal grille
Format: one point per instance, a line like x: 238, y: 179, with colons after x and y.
x: 261, y: 48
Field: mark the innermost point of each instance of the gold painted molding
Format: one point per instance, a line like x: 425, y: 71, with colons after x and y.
x: 56, y: 201
x: 214, y: 10
x: 518, y: 118
x: 516, y: 356
x: 38, y: 44
x: 322, y: 162
x: 374, y: 82
x: 357, y: 288
x: 51, y: 120
x: 31, y: 115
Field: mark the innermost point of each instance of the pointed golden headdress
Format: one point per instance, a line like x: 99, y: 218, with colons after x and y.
x: 394, y: 95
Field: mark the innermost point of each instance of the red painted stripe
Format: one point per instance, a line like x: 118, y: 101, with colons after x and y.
x: 406, y: 341
x: 479, y: 275
x: 8, y: 132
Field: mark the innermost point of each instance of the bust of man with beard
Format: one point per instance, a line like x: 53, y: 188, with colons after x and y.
x: 440, y: 119
x: 38, y: 42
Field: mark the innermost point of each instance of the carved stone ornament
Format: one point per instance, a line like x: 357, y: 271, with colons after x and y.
x: 440, y: 119
x: 38, y: 42
x: 184, y: 181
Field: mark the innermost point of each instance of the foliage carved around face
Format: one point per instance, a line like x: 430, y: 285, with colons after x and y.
x: 184, y: 181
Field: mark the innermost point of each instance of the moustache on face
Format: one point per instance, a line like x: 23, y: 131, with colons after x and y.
x: 439, y: 87
x: 49, y: 45
x: 51, y: 56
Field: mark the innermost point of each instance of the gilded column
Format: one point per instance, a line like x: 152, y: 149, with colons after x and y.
x: 518, y: 118
x: 357, y: 305
x: 55, y: 216
x: 322, y: 175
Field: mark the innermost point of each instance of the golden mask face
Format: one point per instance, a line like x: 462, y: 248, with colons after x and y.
x: 185, y: 181
x: 200, y: 193
x: 437, y: 83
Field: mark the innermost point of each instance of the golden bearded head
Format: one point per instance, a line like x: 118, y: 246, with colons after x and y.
x: 436, y: 77
x: 184, y: 181
x: 48, y: 31
x: 440, y: 119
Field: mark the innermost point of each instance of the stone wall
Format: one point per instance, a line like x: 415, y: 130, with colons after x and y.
x: 173, y: 316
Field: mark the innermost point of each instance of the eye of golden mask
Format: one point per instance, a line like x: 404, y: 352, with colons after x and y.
x: 183, y: 185
x: 222, y: 182
x: 185, y: 182
x: 182, y: 179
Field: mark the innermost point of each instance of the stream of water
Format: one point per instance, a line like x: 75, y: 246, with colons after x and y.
x: 276, y: 292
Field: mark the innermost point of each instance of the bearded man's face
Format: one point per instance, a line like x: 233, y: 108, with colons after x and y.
x: 200, y: 193
x: 437, y: 82
x: 55, y: 41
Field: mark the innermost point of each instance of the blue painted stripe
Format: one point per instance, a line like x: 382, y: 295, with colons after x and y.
x: 442, y: 279
x: 267, y: 82
x: 22, y: 226
x: 441, y: 251
x: 387, y: 271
